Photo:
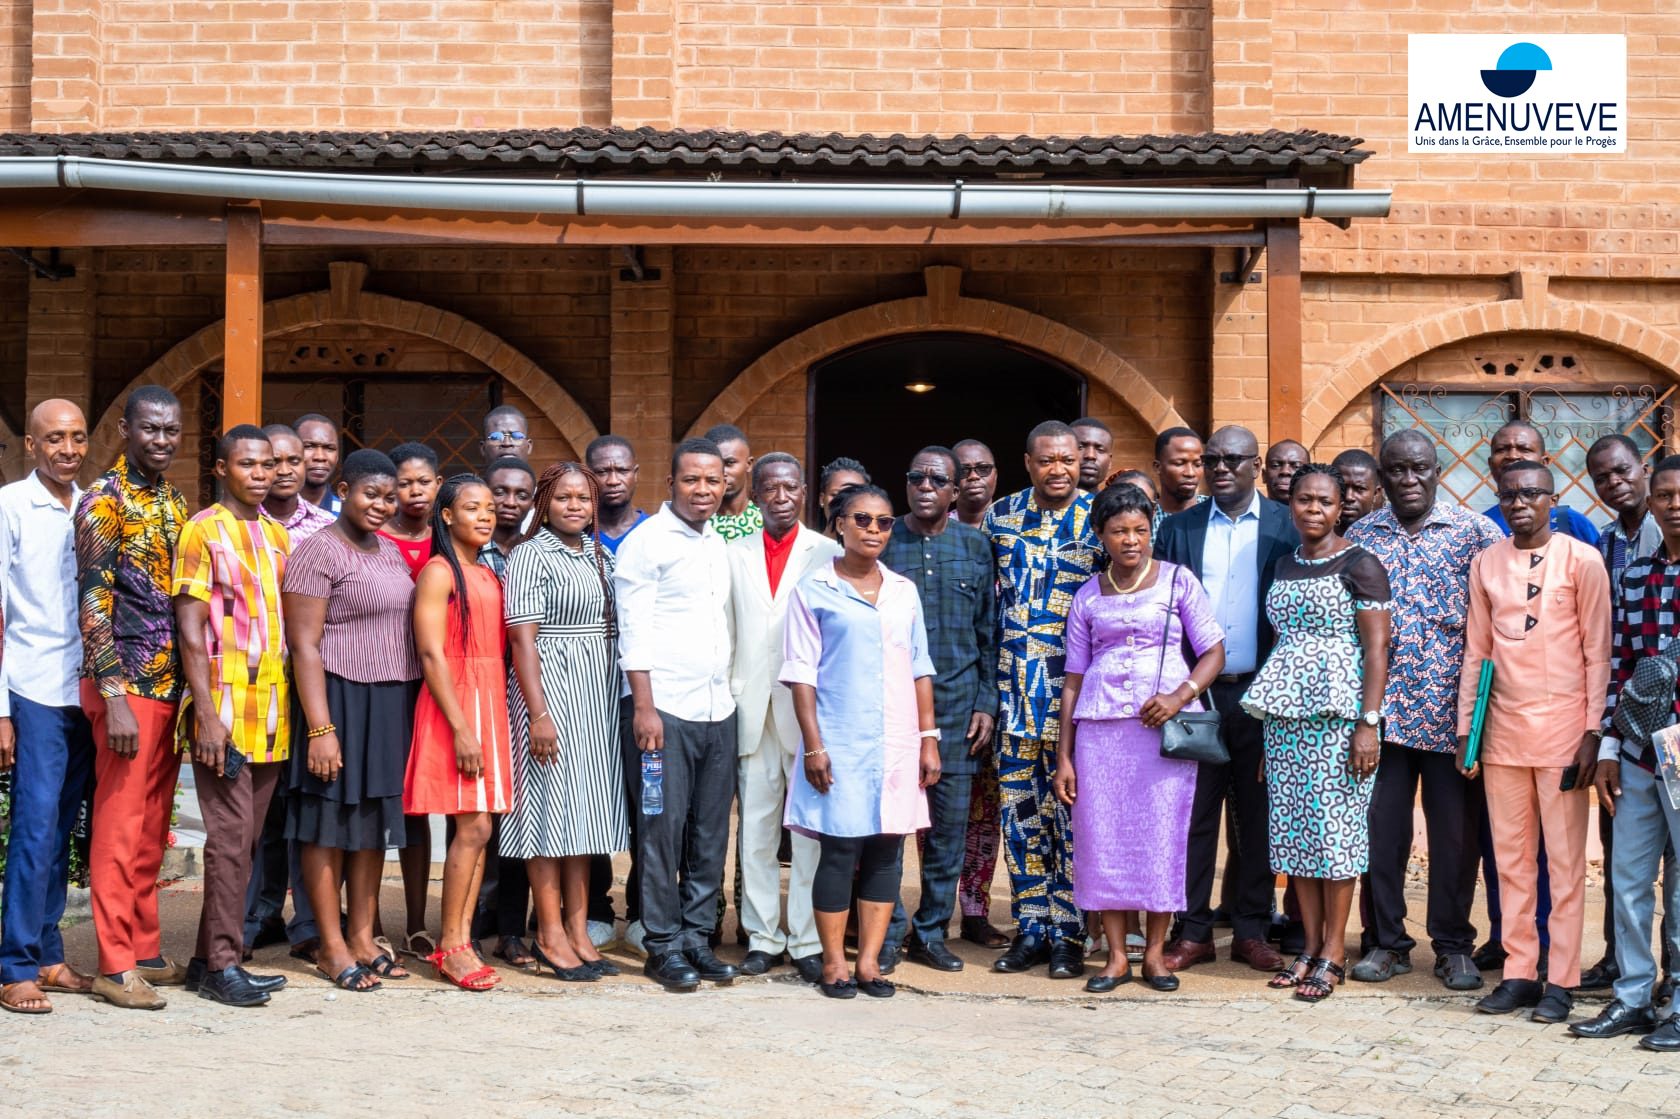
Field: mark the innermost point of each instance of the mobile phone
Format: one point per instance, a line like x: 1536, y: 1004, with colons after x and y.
x: 1570, y: 776
x: 232, y: 762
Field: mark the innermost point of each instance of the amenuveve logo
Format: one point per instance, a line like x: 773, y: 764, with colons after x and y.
x: 1514, y: 73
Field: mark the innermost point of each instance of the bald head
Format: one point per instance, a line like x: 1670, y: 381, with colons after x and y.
x: 58, y: 441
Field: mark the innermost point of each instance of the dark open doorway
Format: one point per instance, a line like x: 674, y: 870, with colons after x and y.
x: 883, y: 401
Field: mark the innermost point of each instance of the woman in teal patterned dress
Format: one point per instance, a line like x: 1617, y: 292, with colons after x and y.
x: 1320, y: 695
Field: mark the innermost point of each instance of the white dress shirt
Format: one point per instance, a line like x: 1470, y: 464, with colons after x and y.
x: 1231, y: 575
x: 42, y: 658
x: 672, y: 587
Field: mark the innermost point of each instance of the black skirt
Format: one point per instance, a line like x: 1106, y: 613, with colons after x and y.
x: 361, y: 810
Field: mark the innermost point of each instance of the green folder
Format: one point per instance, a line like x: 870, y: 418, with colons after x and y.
x: 1478, y: 716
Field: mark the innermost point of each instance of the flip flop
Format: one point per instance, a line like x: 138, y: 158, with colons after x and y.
x: 6, y: 1002
x: 351, y: 979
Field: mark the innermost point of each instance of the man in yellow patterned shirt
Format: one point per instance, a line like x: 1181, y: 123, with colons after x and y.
x: 229, y: 564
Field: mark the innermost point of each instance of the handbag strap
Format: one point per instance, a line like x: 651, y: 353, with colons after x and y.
x: 1166, y: 627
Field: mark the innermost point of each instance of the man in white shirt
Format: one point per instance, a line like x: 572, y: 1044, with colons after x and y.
x: 672, y: 587
x: 45, y: 739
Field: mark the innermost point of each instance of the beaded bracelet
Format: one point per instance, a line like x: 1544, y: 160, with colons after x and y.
x: 321, y: 732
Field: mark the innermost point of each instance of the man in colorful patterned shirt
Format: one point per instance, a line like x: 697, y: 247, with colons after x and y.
x: 1426, y: 543
x: 229, y: 564
x: 1044, y: 550
x: 737, y: 516
x: 126, y: 527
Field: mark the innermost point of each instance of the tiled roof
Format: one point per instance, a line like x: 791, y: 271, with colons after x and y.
x: 645, y: 149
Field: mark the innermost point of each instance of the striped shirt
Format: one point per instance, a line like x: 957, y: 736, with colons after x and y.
x: 236, y: 566
x: 306, y: 520
x: 369, y: 636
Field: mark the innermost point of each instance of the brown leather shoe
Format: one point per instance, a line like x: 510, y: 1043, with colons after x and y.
x: 171, y: 974
x: 1257, y: 954
x: 1181, y: 954
x: 133, y: 993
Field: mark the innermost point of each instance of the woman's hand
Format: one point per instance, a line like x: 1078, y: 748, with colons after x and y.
x: 469, y: 758
x: 1364, y: 752
x: 931, y: 766
x: 1464, y: 752
x: 1065, y: 785
x: 1160, y: 708
x: 818, y: 773
x: 326, y: 757
x: 545, y: 740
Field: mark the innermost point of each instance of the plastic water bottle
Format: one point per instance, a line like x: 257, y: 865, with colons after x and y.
x: 653, y: 783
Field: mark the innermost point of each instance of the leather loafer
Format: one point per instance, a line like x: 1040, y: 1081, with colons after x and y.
x: 1615, y: 1020
x: 809, y: 968
x: 757, y: 963
x: 1600, y: 977
x: 133, y: 993
x: 1490, y: 956
x: 1025, y: 953
x: 231, y: 988
x: 196, y: 967
x: 1103, y: 984
x: 1664, y: 1039
x: 171, y: 974
x: 888, y: 958
x: 1067, y: 960
x: 1181, y: 954
x: 1511, y: 994
x: 268, y: 983
x: 710, y: 968
x: 1554, y: 1006
x: 1257, y: 954
x: 672, y: 971
x: 934, y: 954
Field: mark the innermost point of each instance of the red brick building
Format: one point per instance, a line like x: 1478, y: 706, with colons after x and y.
x: 1545, y: 285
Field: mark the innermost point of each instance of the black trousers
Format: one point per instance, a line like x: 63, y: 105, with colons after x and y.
x: 870, y: 863
x: 1241, y: 783
x: 683, y: 849
x: 1452, y: 809
x: 504, y: 893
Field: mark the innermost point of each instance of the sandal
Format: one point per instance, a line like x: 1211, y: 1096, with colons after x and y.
x: 425, y: 949
x: 7, y: 1002
x: 62, y: 979
x: 306, y: 949
x: 385, y: 967
x: 1318, y: 986
x: 512, y: 950
x: 353, y: 978
x: 482, y: 979
x: 1287, y: 978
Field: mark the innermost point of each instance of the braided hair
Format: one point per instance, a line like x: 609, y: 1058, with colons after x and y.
x: 1318, y: 470
x: 546, y: 485
x: 443, y: 545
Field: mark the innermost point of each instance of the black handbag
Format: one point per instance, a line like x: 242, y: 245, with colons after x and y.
x: 1189, y: 736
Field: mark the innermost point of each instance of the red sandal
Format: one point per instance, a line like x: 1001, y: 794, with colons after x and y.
x: 481, y: 980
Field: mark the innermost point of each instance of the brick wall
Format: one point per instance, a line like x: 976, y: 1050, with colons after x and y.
x: 15, y: 46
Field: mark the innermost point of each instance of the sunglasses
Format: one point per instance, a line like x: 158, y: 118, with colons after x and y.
x: 882, y: 523
x: 1232, y: 463
x: 917, y: 477
x: 1528, y: 495
x: 506, y: 437
x: 977, y: 469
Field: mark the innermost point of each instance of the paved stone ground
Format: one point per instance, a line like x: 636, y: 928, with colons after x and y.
x: 976, y: 1044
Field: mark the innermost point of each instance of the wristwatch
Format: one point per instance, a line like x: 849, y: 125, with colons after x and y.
x: 1371, y: 718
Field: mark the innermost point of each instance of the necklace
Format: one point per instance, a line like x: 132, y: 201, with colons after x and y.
x: 1108, y: 574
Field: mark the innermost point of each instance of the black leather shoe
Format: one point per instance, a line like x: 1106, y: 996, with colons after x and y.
x: 887, y: 961
x: 1025, y: 953
x: 1615, y: 1020
x: 935, y: 955
x: 710, y: 968
x: 1554, y: 1006
x: 230, y: 987
x: 1103, y: 984
x: 809, y: 968
x: 1511, y: 994
x: 1067, y: 960
x: 1490, y: 956
x: 1600, y: 977
x: 269, y: 983
x: 1664, y: 1039
x: 1168, y: 982
x: 1664, y: 993
x: 757, y: 963
x: 196, y: 967
x: 272, y: 930
x: 671, y: 971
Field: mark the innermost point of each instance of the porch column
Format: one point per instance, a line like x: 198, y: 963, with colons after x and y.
x: 643, y: 348
x: 1283, y: 331
x: 243, y: 324
x: 58, y: 352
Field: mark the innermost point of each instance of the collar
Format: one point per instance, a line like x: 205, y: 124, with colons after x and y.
x: 130, y: 474
x: 677, y: 524
x: 825, y: 573
x: 771, y: 544
x: 39, y: 495
x: 1614, y: 528
x: 1253, y: 510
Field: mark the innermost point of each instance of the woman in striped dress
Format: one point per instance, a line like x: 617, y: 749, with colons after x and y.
x: 568, y: 781
x: 460, y: 766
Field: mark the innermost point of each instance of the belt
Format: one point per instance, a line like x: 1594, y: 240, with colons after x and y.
x: 1234, y: 678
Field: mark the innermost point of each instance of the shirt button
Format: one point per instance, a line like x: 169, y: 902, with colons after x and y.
x: 1126, y: 709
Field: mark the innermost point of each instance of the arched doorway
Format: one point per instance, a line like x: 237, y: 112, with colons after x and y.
x: 881, y: 401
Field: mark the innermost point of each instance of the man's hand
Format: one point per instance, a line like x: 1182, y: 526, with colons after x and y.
x: 649, y: 729
x: 1607, y: 779
x: 8, y: 743
x: 1463, y: 751
x: 980, y: 727
x: 1586, y: 759
x: 122, y: 729
x: 210, y: 741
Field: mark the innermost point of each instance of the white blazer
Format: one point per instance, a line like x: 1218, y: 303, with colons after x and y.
x: 758, y: 618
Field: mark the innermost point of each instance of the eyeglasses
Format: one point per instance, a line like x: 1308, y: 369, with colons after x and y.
x: 1232, y: 463
x: 917, y: 477
x: 1528, y: 495
x: 882, y: 522
x: 506, y: 437
x: 977, y: 469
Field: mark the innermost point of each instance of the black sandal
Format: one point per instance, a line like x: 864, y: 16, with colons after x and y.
x: 1318, y: 986
x: 385, y: 967
x: 1287, y: 978
x: 351, y: 979
x: 512, y: 951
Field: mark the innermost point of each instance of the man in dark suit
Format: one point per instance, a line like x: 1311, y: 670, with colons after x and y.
x: 1231, y: 544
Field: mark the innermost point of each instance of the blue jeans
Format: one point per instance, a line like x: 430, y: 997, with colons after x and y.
x: 942, y: 848
x: 1645, y: 826
x: 49, y: 783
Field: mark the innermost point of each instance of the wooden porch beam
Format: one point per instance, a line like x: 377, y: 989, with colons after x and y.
x: 242, y: 365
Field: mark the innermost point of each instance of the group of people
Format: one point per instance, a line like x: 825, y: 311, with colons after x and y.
x: 1098, y: 674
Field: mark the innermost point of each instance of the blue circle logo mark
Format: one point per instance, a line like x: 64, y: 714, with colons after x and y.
x: 1515, y: 71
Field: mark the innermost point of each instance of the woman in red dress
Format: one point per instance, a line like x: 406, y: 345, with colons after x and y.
x: 460, y: 764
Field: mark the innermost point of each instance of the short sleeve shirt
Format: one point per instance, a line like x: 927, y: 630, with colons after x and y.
x: 369, y: 633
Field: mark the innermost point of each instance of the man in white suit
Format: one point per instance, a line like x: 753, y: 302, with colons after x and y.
x: 763, y: 570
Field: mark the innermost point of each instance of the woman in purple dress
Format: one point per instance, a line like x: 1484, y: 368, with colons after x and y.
x: 1126, y: 633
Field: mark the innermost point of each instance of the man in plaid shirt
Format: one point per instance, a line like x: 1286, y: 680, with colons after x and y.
x: 1629, y: 785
